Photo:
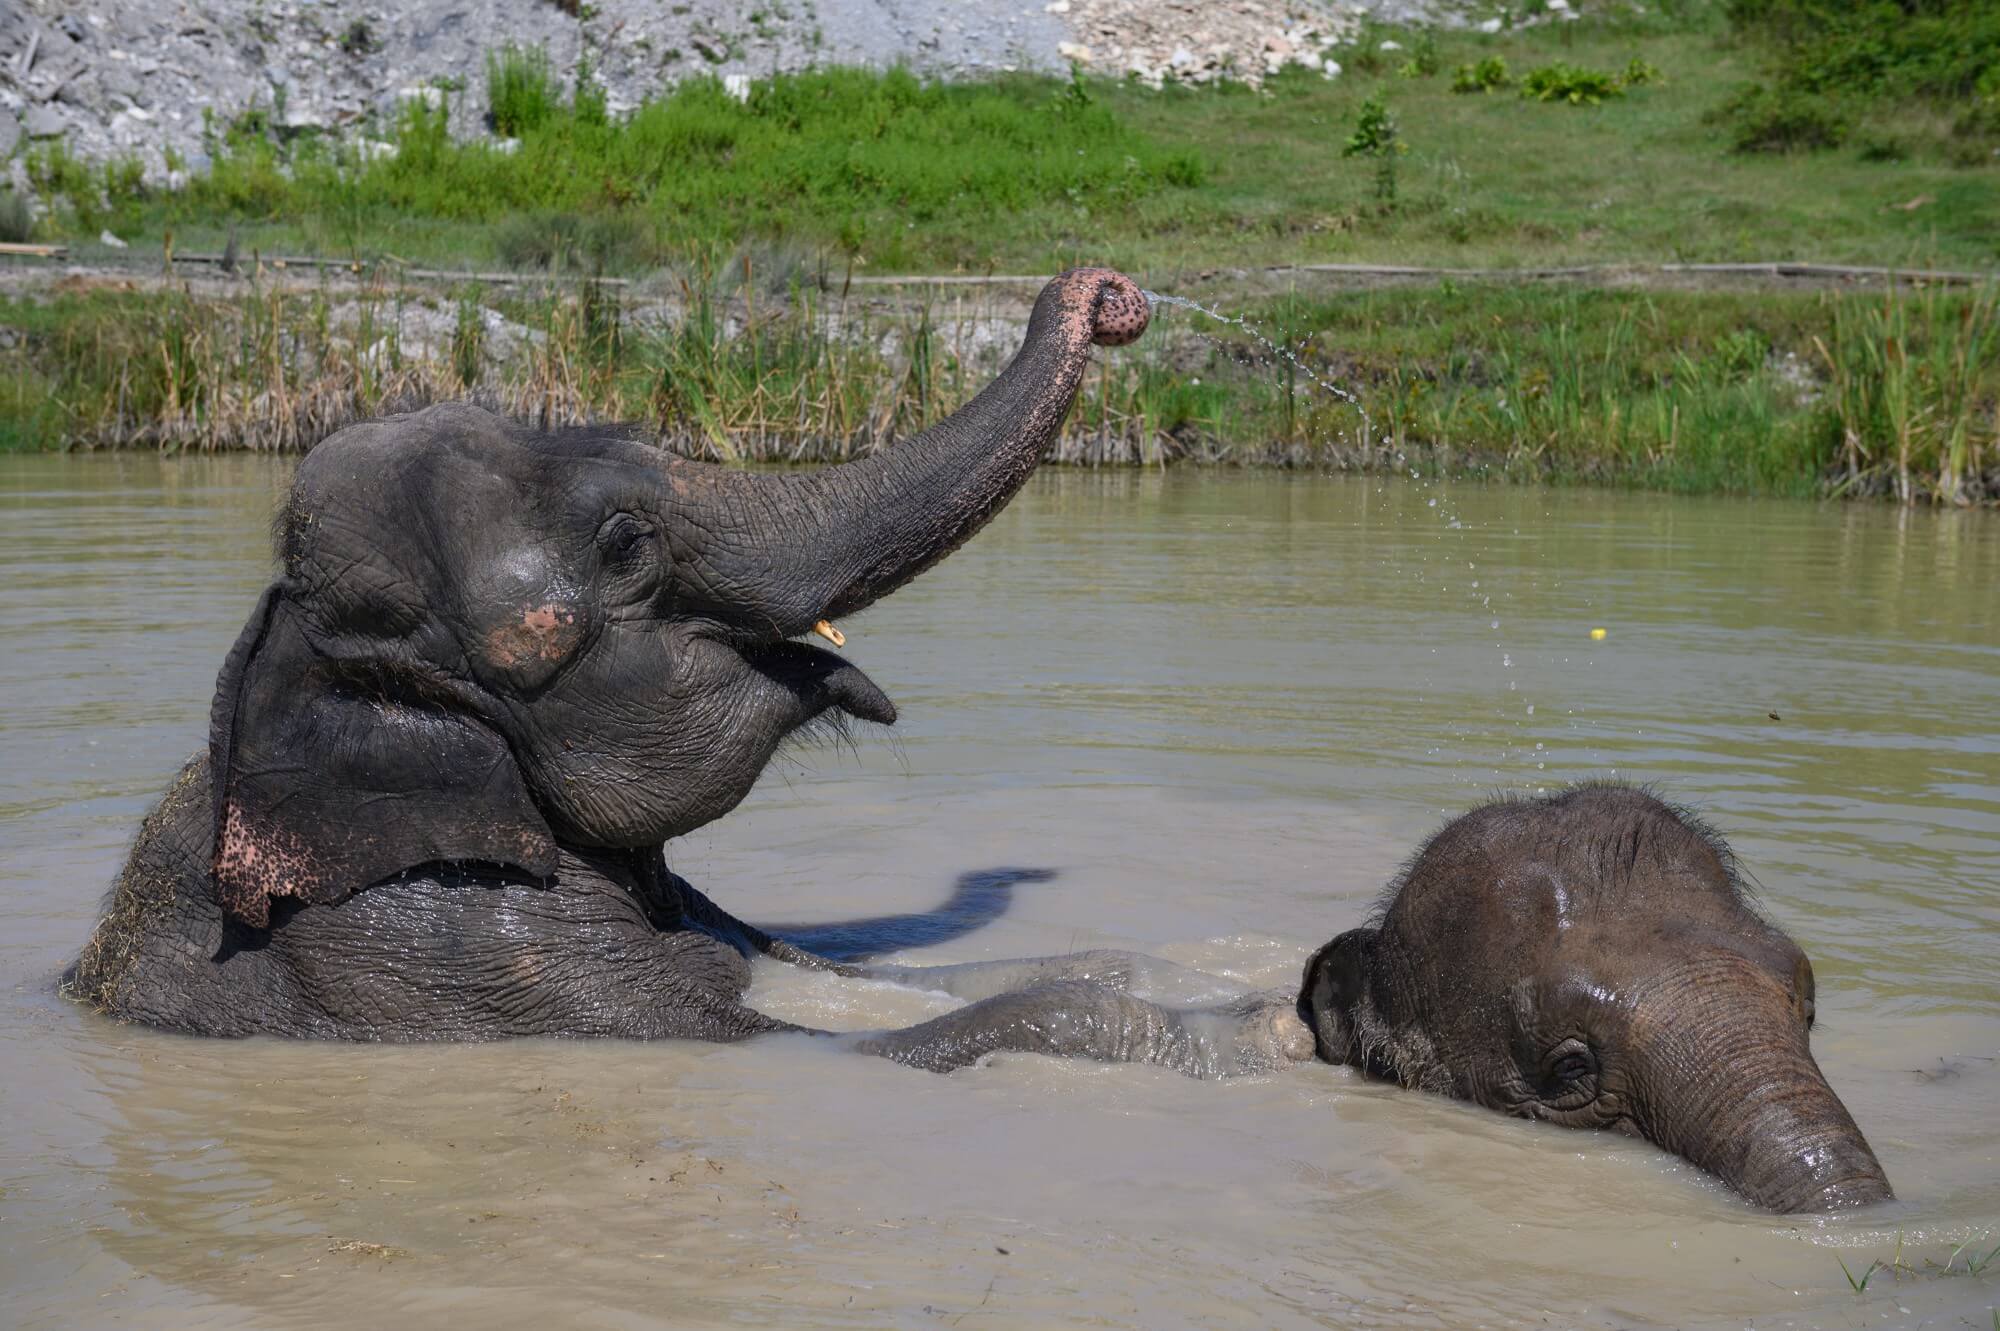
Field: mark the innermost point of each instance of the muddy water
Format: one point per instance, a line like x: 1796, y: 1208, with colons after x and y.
x: 1219, y: 709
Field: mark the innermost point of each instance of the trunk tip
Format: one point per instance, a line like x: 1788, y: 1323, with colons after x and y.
x: 1118, y: 310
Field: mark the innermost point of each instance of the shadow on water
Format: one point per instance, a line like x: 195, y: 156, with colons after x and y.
x: 977, y: 899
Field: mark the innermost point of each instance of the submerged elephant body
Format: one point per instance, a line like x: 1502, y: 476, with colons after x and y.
x: 1590, y: 959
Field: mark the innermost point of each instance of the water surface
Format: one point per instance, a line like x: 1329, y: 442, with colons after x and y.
x: 1221, y: 709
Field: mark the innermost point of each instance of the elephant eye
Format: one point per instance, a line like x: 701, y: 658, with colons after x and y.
x: 1570, y: 1062
x: 624, y: 538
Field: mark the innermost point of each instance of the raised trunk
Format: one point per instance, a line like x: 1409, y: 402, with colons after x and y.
x: 782, y: 551
x: 1747, y: 1103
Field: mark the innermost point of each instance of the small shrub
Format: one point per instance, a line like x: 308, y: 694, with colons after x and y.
x: 1486, y: 76
x: 564, y: 241
x: 1376, y: 136
x: 1876, y: 147
x: 521, y: 90
x: 1766, y: 120
x: 1423, y: 61
x: 1638, y: 73
x: 1368, y: 57
x: 1573, y: 84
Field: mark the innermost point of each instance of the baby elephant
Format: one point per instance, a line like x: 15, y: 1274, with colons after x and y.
x: 1589, y: 958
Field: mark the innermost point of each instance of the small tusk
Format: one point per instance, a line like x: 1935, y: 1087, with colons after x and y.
x: 826, y: 630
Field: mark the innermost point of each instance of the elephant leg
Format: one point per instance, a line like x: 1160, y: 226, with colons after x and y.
x: 1133, y: 972
x: 1081, y: 1019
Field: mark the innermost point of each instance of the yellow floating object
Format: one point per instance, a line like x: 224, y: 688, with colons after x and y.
x: 1598, y: 635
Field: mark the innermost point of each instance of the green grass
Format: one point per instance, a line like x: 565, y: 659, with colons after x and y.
x: 1027, y: 174
x: 1783, y: 394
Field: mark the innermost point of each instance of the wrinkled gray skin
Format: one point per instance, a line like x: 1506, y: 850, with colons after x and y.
x: 1589, y: 959
x: 501, y: 668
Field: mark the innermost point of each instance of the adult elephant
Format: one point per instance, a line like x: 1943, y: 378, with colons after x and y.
x: 1590, y: 958
x: 501, y: 668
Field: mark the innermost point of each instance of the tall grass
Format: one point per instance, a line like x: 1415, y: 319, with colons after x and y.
x: 522, y: 91
x: 1894, y: 394
x: 1911, y: 402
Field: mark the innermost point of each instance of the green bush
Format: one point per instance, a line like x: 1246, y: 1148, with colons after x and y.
x: 1763, y: 120
x: 1824, y: 57
x: 1486, y: 76
x: 1570, y: 83
x: 521, y: 90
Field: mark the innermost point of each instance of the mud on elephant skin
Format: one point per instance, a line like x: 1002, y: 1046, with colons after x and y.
x: 498, y: 670
x: 1590, y: 958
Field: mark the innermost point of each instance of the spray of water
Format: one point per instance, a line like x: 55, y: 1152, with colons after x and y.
x: 1277, y: 348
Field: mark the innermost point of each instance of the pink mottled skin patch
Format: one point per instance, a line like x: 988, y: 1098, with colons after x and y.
x: 252, y: 866
x: 546, y: 633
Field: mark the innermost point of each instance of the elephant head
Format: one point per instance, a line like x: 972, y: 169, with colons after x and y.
x: 1589, y: 959
x: 488, y: 642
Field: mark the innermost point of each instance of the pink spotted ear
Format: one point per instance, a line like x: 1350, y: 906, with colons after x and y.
x: 330, y: 776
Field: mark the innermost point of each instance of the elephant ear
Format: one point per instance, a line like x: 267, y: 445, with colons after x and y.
x: 1334, y: 993
x: 333, y: 775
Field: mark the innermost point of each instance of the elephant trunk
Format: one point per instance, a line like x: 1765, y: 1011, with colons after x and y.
x: 1734, y: 1088
x: 782, y: 551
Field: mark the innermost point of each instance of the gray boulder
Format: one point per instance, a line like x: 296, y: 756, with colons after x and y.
x: 44, y: 122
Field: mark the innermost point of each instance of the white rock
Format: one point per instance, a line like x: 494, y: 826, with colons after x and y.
x: 505, y: 147
x: 1331, y: 69
x: 1057, y: 7
x: 1489, y: 25
x: 106, y: 238
x: 737, y: 86
x: 371, y: 150
x: 1558, y: 5
x: 1392, y: 46
x: 1074, y: 51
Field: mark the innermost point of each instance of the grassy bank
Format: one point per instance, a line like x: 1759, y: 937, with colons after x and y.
x: 1689, y: 131
x: 1621, y: 136
x: 1795, y: 394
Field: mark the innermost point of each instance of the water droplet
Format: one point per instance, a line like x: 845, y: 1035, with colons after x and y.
x: 1531, y: 709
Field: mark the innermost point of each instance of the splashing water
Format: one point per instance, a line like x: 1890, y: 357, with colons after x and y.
x: 1278, y: 348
